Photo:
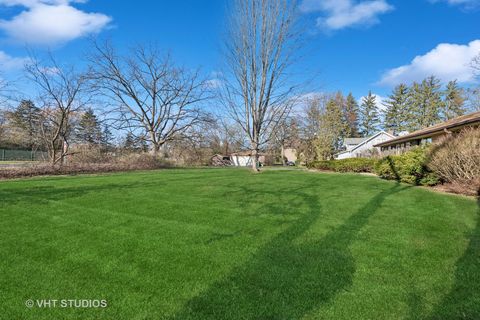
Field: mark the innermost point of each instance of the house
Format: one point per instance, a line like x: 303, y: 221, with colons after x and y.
x: 429, y: 135
x: 363, y: 147
x: 290, y: 155
x: 238, y: 159
x: 245, y: 159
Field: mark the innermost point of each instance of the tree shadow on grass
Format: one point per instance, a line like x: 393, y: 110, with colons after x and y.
x: 287, y: 278
x: 463, y: 300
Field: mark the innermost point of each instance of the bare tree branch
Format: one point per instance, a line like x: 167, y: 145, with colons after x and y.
x: 260, y: 49
x: 62, y: 92
x: 151, y: 96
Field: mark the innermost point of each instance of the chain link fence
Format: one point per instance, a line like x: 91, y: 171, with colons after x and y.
x: 22, y: 155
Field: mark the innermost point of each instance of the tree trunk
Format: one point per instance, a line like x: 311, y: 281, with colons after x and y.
x: 155, y: 150
x: 255, y: 158
x: 53, y: 153
x: 282, y: 154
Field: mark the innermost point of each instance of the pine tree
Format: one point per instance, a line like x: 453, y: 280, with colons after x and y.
x: 107, y: 138
x: 396, y: 113
x: 433, y: 98
x: 369, y: 115
x: 27, y: 118
x: 130, y: 142
x: 453, y: 104
x: 416, y: 110
x: 89, y: 129
x: 351, y: 116
x: 425, y: 104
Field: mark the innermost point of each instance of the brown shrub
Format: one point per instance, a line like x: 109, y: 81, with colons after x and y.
x: 89, y: 154
x: 457, y: 159
x: 469, y: 188
x: 125, y: 163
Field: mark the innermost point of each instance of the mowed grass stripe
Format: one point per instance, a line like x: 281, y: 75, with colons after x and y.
x: 229, y: 244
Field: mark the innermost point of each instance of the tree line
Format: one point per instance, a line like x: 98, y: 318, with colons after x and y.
x: 167, y: 109
x: 319, y: 130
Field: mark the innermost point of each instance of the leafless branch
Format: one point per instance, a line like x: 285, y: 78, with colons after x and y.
x: 62, y: 92
x: 150, y: 94
x: 260, y: 48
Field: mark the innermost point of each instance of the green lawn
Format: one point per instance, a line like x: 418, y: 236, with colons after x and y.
x: 229, y: 244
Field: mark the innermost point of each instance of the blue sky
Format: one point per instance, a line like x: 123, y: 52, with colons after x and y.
x: 351, y: 45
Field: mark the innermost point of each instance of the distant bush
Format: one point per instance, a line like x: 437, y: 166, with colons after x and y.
x: 345, y: 165
x: 457, y: 160
x: 410, y: 167
x: 124, y: 163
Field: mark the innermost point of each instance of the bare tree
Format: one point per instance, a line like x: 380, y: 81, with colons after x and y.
x: 260, y: 48
x: 62, y: 92
x: 151, y: 96
x: 476, y: 65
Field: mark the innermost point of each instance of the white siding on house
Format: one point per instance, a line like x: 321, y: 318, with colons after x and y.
x: 366, y: 147
x: 242, y: 161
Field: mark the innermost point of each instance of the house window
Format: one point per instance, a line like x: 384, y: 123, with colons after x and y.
x: 426, y: 141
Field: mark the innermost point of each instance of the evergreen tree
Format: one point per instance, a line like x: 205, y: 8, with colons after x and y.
x: 89, y: 129
x: 425, y: 104
x: 351, y: 116
x: 396, y: 113
x: 27, y: 118
x: 130, y: 142
x: 333, y: 127
x: 433, y: 98
x: 107, y: 138
x: 453, y: 105
x: 369, y: 115
x: 416, y: 110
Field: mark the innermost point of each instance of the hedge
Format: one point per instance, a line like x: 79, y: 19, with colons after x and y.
x: 345, y: 165
x: 410, y: 167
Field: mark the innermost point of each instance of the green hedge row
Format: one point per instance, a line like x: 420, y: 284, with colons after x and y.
x: 410, y: 167
x: 345, y: 165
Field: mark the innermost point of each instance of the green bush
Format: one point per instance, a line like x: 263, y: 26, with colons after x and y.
x: 410, y: 167
x: 345, y: 165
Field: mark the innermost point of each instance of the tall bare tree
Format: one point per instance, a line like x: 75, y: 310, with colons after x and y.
x: 261, y: 46
x: 151, y: 96
x: 62, y: 92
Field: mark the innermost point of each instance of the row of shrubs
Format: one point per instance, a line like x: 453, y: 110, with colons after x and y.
x: 455, y: 162
x: 345, y: 165
x: 409, y: 168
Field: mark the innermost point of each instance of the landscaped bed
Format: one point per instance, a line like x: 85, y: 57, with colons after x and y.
x: 231, y: 244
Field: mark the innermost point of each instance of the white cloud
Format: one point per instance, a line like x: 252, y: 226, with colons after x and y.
x: 8, y: 62
x: 447, y: 61
x: 213, y: 83
x: 51, y: 21
x: 465, y: 3
x: 339, y: 14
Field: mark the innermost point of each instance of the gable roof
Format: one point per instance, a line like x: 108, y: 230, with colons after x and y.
x: 461, y: 121
x: 366, y: 140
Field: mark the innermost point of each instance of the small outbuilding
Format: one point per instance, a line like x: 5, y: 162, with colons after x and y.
x: 237, y: 159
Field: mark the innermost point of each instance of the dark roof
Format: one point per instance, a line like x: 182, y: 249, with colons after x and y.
x: 461, y: 121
